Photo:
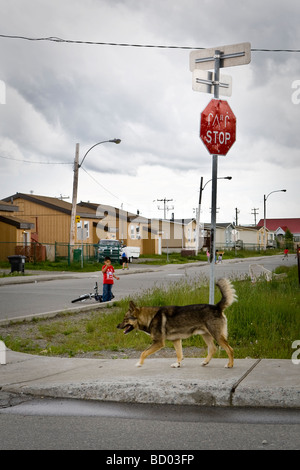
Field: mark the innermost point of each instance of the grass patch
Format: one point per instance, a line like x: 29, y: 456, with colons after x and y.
x: 93, y: 265
x: 262, y: 324
x: 266, y: 320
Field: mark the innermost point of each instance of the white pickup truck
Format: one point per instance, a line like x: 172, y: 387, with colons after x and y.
x: 132, y: 252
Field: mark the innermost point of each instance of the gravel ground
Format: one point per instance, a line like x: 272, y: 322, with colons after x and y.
x: 29, y: 330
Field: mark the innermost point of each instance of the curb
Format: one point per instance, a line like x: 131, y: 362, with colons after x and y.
x: 265, y: 383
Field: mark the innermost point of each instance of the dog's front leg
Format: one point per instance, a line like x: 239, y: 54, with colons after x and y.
x: 152, y: 349
x: 178, y: 348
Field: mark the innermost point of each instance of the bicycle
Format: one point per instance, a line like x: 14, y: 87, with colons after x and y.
x: 94, y: 295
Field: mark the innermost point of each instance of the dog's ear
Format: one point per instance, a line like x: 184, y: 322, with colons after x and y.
x: 132, y: 306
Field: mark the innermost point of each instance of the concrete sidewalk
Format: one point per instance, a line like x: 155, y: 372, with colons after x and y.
x: 250, y: 383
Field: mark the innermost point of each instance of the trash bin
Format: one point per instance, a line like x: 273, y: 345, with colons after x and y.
x: 77, y: 255
x: 17, y: 263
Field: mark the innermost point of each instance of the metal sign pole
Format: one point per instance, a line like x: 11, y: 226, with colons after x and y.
x: 217, y: 57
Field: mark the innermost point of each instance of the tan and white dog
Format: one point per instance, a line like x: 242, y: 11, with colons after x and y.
x: 177, y: 323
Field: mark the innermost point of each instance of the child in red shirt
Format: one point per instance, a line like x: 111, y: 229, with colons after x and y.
x: 286, y: 254
x: 108, y: 275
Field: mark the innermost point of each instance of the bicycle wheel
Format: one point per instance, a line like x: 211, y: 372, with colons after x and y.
x: 82, y: 297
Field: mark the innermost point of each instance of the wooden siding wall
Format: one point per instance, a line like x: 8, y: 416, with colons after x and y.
x: 50, y: 224
x: 9, y: 233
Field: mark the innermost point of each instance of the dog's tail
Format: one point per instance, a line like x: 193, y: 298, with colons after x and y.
x: 228, y: 294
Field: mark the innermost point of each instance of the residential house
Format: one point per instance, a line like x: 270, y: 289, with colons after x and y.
x: 14, y: 230
x: 225, y: 235
x: 230, y: 236
x: 177, y: 234
x: 131, y: 229
x: 245, y: 236
x: 278, y: 228
x: 49, y: 223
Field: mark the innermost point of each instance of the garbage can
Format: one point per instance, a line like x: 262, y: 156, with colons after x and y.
x: 77, y: 255
x: 17, y: 263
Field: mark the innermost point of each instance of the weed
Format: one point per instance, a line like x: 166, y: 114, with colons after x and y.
x: 262, y: 324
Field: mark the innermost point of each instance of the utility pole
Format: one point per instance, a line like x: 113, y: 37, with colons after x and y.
x: 236, y: 216
x: 198, y: 217
x: 75, y: 188
x: 74, y: 202
x: 255, y: 212
x: 165, y: 208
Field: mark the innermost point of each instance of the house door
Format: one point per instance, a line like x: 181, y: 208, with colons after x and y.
x: 159, y: 245
x: 25, y: 239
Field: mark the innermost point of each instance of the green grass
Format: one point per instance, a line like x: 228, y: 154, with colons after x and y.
x: 266, y: 320
x: 262, y: 324
x: 171, y: 258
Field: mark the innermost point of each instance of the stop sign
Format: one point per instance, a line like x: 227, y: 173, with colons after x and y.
x: 218, y: 126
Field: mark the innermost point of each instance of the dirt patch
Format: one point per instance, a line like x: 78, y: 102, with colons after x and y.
x: 134, y: 354
x: 43, y: 336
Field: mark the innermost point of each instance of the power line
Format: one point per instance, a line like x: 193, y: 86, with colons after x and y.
x: 38, y: 163
x: 107, y: 190
x: 99, y: 184
x: 155, y: 46
x: 255, y: 212
x: 61, y: 163
x: 96, y: 43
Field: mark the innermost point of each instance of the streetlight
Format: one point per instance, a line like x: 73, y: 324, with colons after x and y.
x: 265, y: 212
x: 114, y: 141
x: 199, y: 208
x: 75, y: 188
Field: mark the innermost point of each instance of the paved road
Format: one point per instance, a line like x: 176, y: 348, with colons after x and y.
x: 19, y: 300
x: 75, y: 424
x: 67, y: 424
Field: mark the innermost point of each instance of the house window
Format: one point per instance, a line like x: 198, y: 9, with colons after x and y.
x: 86, y: 226
x: 138, y: 236
x: 132, y: 232
x: 86, y: 229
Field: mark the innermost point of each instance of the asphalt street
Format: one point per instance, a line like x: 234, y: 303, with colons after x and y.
x: 43, y: 293
x: 86, y: 425
x: 79, y: 403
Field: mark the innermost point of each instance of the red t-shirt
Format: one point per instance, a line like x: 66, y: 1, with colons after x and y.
x: 108, y: 275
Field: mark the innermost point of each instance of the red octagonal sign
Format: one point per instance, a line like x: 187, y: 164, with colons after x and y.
x: 218, y: 126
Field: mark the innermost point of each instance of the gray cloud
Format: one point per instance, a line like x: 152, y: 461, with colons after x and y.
x: 59, y: 94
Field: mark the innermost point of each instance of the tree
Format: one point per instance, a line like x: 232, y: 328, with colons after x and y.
x: 289, y: 238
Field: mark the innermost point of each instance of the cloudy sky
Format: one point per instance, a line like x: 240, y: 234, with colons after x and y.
x: 58, y: 94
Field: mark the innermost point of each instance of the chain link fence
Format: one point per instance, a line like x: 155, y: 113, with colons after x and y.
x: 38, y: 252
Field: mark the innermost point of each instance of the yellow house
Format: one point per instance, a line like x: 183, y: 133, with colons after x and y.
x: 178, y: 234
x: 49, y: 220
x: 14, y: 231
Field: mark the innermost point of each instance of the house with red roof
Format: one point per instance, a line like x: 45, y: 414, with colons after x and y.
x: 280, y: 226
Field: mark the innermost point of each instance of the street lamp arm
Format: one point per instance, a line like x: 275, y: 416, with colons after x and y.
x: 276, y: 191
x: 199, y: 207
x: 75, y: 187
x: 115, y: 141
x: 206, y: 184
x: 219, y: 178
x: 265, y: 212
